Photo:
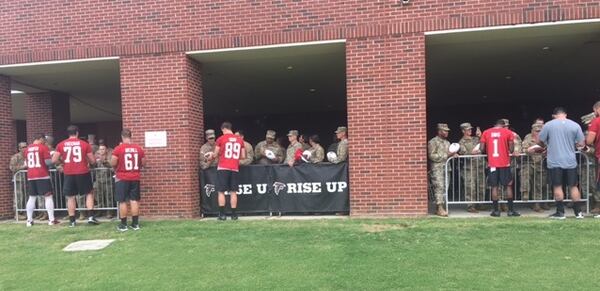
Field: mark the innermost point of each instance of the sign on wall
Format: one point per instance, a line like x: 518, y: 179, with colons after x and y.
x: 155, y: 139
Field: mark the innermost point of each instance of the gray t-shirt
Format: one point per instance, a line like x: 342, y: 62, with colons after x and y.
x: 561, y: 136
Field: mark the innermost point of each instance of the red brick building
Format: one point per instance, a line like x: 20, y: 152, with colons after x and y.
x: 161, y: 82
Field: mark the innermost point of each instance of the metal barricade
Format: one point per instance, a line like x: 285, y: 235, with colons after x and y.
x: 466, y: 180
x: 104, y: 191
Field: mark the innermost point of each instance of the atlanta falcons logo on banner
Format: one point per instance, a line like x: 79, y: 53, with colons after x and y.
x: 209, y: 189
x: 278, y: 186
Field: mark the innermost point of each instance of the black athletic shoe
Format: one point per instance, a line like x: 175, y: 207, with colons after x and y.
x: 93, y: 220
x: 234, y: 216
x: 513, y: 213
x: 558, y: 215
x: 222, y: 217
x: 135, y: 226
x: 121, y: 227
x: 495, y: 213
x: 72, y: 224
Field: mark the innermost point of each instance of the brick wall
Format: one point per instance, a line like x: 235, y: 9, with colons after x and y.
x: 166, y: 101
x: 7, y: 148
x: 385, y: 70
x: 47, y: 113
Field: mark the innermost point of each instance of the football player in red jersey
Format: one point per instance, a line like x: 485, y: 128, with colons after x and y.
x: 229, y: 150
x: 498, y: 143
x: 128, y: 160
x: 76, y: 154
x: 38, y: 178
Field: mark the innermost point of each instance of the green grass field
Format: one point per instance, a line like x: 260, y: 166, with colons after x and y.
x: 423, y: 254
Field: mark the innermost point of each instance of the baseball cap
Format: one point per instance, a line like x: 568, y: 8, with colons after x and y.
x: 587, y: 119
x: 536, y: 126
x: 443, y: 126
x: 271, y: 134
x: 465, y: 125
x: 506, y: 122
x: 293, y: 132
x: 210, y: 133
x: 341, y: 129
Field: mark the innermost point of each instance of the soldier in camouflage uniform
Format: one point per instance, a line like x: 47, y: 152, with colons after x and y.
x: 342, y: 147
x: 103, y: 175
x: 303, y: 140
x: 268, y: 144
x: 472, y: 171
x: 295, y: 145
x: 533, y: 178
x: 207, y: 149
x: 17, y: 163
x: 249, y: 150
x: 317, y: 153
x: 438, y: 153
x: 589, y: 175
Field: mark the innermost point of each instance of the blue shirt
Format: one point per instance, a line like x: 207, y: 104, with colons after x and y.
x: 561, y: 135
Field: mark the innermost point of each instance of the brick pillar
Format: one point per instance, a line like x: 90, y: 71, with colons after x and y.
x: 7, y: 148
x: 47, y: 112
x: 387, y: 126
x: 164, y: 93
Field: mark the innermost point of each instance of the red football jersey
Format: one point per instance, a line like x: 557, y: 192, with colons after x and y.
x: 595, y: 127
x: 230, y: 151
x: 496, y: 141
x: 73, y: 152
x: 35, y: 156
x: 129, y: 161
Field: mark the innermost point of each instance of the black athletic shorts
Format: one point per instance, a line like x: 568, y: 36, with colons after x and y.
x: 127, y: 190
x: 227, y: 181
x: 39, y: 187
x: 77, y: 184
x: 500, y: 177
x: 563, y: 177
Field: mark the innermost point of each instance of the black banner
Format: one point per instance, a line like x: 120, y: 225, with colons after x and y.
x: 283, y: 189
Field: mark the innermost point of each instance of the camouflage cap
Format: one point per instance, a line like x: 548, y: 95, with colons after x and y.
x: 536, y: 126
x: 210, y: 133
x: 22, y: 144
x: 443, y: 126
x: 271, y: 134
x: 341, y: 129
x: 465, y: 126
x: 293, y: 132
x: 506, y: 122
x: 587, y: 119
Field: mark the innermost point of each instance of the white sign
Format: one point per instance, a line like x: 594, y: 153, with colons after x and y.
x: 156, y: 139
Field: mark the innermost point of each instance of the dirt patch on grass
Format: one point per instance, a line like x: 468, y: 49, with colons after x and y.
x: 374, y: 228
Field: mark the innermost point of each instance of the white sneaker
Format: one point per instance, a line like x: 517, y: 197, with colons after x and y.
x: 29, y: 223
x: 579, y: 215
x: 597, y: 216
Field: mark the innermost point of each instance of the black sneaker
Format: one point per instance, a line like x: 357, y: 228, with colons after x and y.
x: 495, y: 213
x: 558, y: 215
x: 135, y: 226
x: 93, y: 220
x: 234, y: 216
x: 72, y: 224
x: 222, y: 217
x: 513, y: 213
x: 121, y: 227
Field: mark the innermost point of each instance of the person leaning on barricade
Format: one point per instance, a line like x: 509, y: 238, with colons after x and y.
x: 498, y: 142
x: 207, y: 149
x: 438, y: 153
x: 533, y: 176
x: 592, y: 138
x: 248, y: 148
x: 588, y: 175
x: 268, y: 151
x: 341, y: 155
x: 17, y: 163
x: 472, y: 169
x: 293, y: 150
x: 102, y: 183
x: 314, y: 154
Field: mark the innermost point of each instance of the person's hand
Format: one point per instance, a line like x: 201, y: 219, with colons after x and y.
x: 476, y: 152
x: 291, y: 163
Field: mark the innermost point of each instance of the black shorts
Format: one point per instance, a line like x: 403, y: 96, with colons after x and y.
x: 39, y: 187
x: 563, y: 177
x: 500, y: 177
x: 127, y: 190
x: 77, y: 184
x: 227, y: 181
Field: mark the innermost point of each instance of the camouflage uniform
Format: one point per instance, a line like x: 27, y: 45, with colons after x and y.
x: 17, y: 163
x: 317, y: 154
x: 261, y: 147
x: 290, y: 153
x: 249, y: 154
x: 473, y: 170
x: 208, y: 147
x: 533, y: 177
x: 102, y: 181
x: 437, y: 149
